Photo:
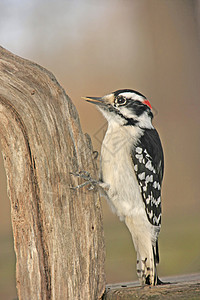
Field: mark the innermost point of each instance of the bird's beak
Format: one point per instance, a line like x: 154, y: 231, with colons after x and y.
x: 95, y: 100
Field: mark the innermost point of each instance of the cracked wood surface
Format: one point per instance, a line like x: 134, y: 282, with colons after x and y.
x: 58, y: 233
x: 180, y: 287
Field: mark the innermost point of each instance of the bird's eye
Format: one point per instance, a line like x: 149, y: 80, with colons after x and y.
x: 120, y: 100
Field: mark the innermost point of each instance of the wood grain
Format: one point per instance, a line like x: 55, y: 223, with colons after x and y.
x: 58, y: 233
x: 180, y: 287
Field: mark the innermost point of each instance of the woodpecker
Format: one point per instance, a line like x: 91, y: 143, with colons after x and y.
x: 131, y: 173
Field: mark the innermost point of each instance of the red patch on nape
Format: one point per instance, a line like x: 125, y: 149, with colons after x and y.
x: 147, y: 103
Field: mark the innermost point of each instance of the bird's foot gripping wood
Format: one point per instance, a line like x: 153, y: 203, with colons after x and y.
x: 88, y: 180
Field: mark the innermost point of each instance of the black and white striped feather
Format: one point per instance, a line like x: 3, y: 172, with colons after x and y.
x: 148, y: 162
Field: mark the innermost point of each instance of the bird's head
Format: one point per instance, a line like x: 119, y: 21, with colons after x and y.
x: 126, y: 107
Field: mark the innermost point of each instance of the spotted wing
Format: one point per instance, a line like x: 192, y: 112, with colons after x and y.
x: 148, y: 162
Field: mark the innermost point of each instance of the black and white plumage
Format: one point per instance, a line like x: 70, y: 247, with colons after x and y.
x: 132, y: 171
x: 148, y: 161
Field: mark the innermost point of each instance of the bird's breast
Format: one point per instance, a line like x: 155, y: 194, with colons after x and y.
x: 118, y: 171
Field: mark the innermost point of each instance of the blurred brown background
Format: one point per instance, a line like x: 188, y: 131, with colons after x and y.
x: 96, y: 47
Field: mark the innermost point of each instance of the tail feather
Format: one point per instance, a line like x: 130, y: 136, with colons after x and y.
x: 160, y: 282
x: 146, y: 268
x: 147, y: 253
x: 157, y: 258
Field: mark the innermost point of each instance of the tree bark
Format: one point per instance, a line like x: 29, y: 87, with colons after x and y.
x: 58, y: 234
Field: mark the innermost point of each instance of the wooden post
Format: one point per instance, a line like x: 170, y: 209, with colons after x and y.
x: 182, y: 287
x: 58, y: 234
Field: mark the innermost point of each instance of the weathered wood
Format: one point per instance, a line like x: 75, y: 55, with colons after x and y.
x: 179, y: 287
x: 58, y: 235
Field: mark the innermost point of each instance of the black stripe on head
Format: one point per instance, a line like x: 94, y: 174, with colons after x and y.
x: 129, y: 121
x: 137, y: 107
x: 116, y: 93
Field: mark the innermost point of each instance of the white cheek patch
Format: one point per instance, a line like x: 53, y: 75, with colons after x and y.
x: 126, y: 112
x: 144, y: 120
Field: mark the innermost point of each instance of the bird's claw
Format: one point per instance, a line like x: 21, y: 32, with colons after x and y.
x: 88, y: 180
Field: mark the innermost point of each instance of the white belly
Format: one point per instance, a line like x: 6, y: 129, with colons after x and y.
x: 117, y: 170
